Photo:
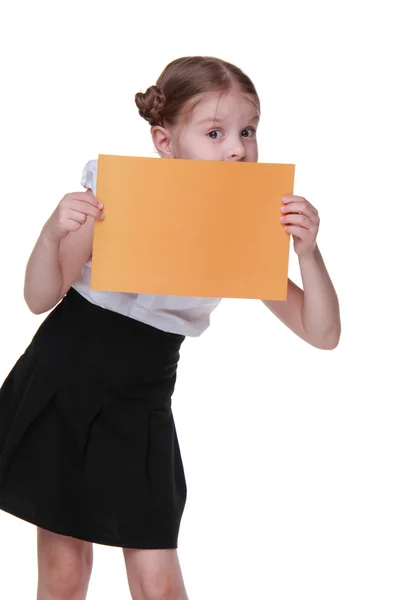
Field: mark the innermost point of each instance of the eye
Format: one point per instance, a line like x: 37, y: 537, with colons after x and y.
x: 213, y: 134
x: 249, y: 132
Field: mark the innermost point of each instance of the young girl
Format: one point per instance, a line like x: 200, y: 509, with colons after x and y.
x: 88, y: 446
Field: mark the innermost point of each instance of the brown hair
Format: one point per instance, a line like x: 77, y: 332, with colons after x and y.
x: 185, y: 78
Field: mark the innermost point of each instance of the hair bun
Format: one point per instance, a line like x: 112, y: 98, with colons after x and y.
x: 151, y: 104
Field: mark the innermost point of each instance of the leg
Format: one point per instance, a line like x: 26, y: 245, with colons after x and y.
x: 154, y: 574
x: 65, y: 565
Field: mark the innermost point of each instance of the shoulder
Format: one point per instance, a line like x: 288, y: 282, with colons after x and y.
x: 89, y: 175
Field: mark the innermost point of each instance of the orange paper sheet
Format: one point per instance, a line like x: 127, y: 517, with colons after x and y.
x: 191, y: 228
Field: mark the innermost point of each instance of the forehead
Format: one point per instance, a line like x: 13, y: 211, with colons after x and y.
x: 217, y: 106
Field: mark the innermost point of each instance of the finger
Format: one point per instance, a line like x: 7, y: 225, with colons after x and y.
x: 73, y: 225
x: 294, y: 207
x: 291, y: 198
x: 87, y: 197
x: 299, y: 200
x: 86, y: 208
x: 298, y: 220
x: 96, y: 201
x: 297, y: 231
x: 77, y: 216
x: 299, y: 207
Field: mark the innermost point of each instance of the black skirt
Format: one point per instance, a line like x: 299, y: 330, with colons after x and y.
x: 88, y: 446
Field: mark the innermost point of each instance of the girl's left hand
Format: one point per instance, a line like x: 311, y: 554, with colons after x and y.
x: 300, y: 219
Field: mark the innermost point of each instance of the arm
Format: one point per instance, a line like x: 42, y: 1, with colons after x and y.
x: 63, y: 247
x: 312, y: 314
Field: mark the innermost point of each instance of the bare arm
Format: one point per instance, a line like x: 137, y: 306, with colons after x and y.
x: 312, y: 314
x: 63, y: 247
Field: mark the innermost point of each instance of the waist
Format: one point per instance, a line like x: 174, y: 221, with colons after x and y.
x: 80, y: 340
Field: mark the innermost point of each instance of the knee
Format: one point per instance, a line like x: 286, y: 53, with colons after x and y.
x: 159, y: 586
x: 64, y: 575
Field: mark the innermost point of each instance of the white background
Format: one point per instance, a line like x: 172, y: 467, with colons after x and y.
x: 291, y: 453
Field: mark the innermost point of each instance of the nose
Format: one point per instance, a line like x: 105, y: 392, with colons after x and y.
x: 237, y: 151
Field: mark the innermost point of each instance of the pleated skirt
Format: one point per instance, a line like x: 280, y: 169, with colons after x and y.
x: 88, y: 445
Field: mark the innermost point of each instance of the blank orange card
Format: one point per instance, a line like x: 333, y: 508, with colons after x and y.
x: 191, y: 228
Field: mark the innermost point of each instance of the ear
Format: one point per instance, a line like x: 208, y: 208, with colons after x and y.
x: 162, y: 141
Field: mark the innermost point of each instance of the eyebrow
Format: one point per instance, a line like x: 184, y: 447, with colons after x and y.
x: 219, y: 120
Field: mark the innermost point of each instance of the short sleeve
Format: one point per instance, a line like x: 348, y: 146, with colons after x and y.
x: 89, y: 176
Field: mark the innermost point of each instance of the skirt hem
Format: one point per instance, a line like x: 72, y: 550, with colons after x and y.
x: 88, y: 538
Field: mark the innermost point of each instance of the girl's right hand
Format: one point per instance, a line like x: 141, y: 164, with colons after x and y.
x: 71, y: 213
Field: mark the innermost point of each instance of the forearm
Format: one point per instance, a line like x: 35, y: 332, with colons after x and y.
x: 320, y: 310
x: 43, y: 277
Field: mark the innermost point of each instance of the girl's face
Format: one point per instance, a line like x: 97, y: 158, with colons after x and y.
x: 219, y: 127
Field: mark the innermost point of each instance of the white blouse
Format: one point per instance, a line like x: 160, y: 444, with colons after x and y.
x: 185, y: 315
